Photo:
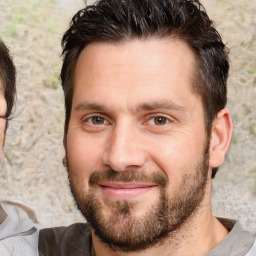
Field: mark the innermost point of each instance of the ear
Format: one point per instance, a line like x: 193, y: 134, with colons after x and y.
x: 221, y: 134
x: 3, y: 108
x: 64, y: 161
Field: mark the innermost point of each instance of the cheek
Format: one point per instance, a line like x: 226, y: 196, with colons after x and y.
x: 175, y: 156
x: 84, y: 153
x: 1, y: 149
x: 2, y: 134
x: 170, y: 160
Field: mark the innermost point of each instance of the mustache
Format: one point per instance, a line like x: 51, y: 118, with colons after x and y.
x: 156, y: 178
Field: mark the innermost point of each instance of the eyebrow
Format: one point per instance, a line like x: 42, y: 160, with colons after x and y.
x: 87, y: 105
x: 141, y: 107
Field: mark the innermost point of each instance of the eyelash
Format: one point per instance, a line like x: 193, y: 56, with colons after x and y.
x: 166, y: 119
x: 95, y: 116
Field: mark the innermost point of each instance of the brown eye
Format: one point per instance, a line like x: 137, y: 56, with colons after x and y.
x: 159, y: 120
x: 96, y: 120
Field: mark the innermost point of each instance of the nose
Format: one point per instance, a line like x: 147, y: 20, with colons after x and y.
x: 124, y: 149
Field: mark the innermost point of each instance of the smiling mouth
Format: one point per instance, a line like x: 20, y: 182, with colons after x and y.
x: 125, y: 190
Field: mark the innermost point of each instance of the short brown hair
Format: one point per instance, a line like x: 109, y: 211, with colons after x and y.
x: 119, y: 21
x: 7, y: 78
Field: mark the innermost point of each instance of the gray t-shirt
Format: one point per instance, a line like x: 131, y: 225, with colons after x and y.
x: 18, y: 230
x: 238, y: 242
x: 76, y: 240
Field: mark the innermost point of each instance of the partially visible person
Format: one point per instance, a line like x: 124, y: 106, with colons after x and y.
x: 18, y: 224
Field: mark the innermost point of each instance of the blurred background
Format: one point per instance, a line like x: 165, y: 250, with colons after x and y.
x: 32, y: 171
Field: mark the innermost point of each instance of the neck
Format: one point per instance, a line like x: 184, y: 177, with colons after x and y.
x: 201, y: 233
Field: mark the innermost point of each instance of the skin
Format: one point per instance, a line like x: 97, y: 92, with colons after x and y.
x: 3, y: 108
x: 120, y: 91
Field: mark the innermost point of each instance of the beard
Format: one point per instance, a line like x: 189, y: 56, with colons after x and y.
x: 115, y: 222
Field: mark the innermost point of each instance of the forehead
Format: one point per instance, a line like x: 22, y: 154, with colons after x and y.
x: 135, y: 70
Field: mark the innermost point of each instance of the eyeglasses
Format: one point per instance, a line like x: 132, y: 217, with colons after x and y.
x: 4, y: 117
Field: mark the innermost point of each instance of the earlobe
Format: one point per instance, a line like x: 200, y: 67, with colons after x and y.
x: 221, y: 134
x: 64, y: 161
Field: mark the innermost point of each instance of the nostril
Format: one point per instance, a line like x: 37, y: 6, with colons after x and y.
x: 121, y: 160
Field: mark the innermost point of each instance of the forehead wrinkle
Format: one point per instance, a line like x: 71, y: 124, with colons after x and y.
x: 169, y: 105
x: 159, y: 105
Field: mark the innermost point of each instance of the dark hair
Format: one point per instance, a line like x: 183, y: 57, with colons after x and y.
x: 7, y: 78
x: 124, y: 20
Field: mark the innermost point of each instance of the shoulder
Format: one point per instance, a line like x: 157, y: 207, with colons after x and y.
x: 238, y: 242
x: 18, y: 230
x: 73, y: 240
x: 252, y: 251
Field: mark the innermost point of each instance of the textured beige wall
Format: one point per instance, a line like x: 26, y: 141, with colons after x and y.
x: 32, y: 172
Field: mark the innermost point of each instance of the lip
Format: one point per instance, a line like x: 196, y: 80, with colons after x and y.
x: 125, y: 190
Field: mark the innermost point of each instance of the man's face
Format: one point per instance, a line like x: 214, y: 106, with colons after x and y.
x: 136, y: 146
